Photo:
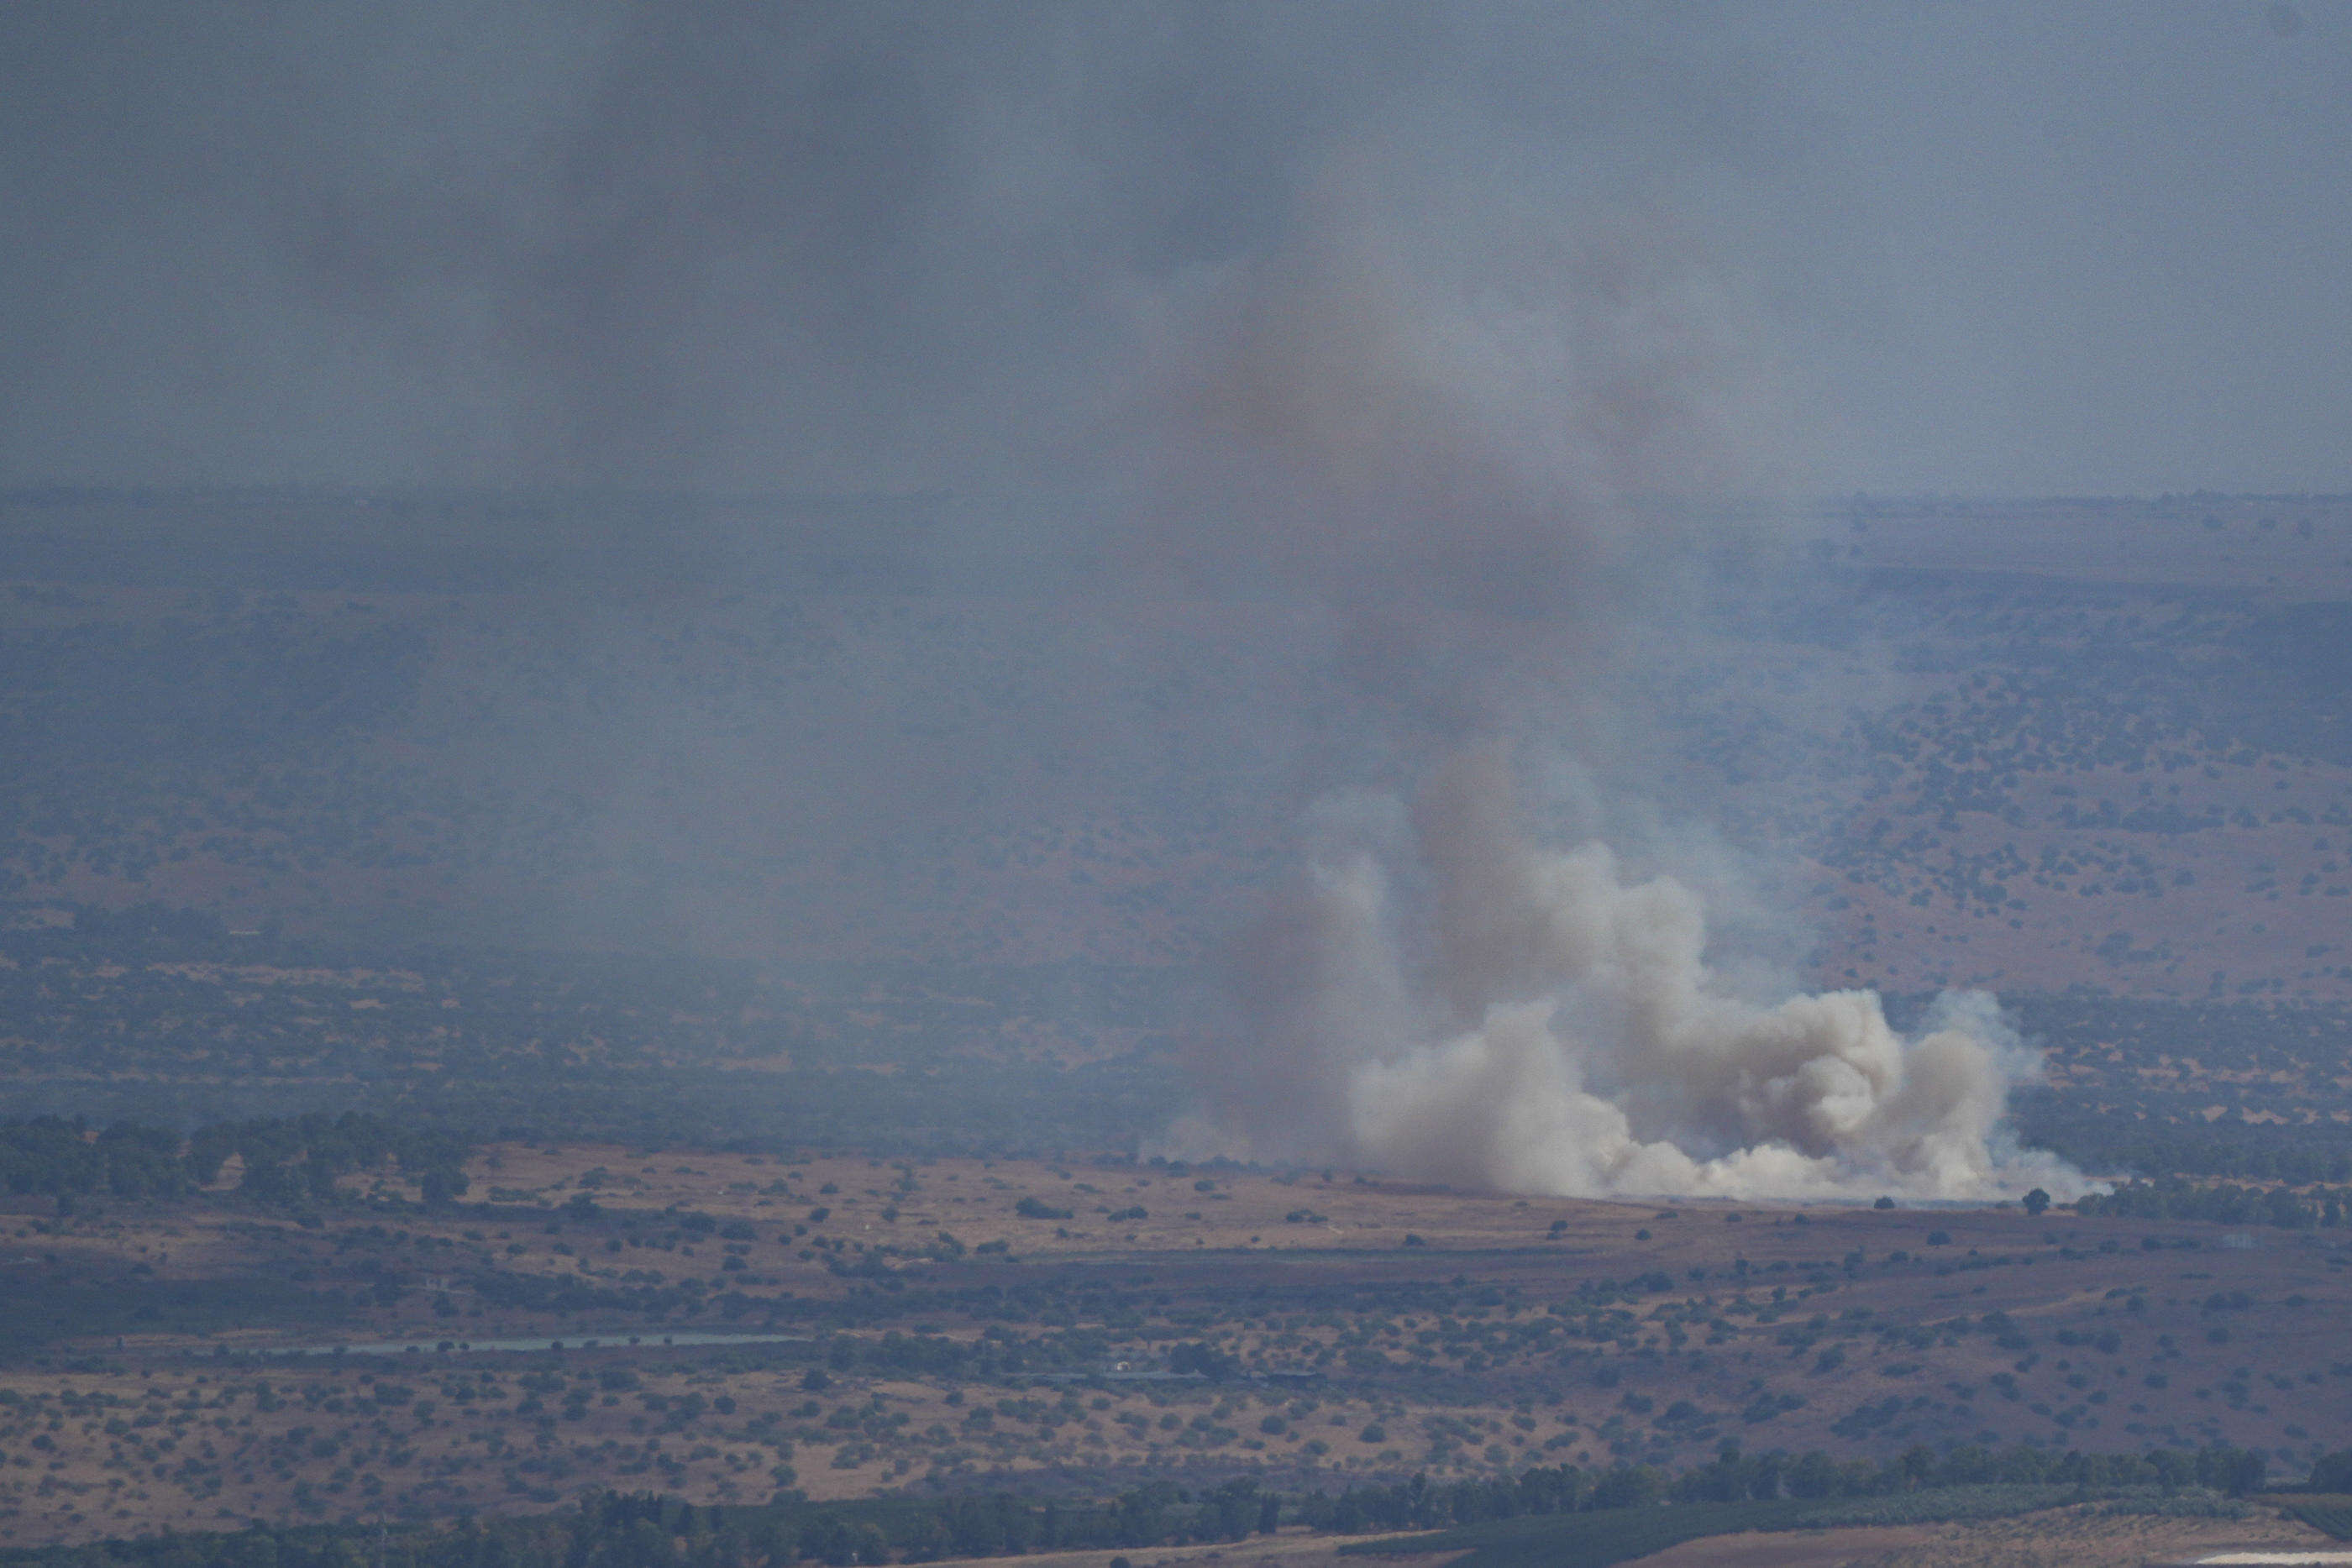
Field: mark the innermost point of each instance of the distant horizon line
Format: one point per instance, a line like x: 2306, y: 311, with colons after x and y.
x: 36, y: 491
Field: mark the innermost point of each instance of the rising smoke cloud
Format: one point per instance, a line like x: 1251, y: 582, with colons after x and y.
x: 1442, y: 997
x: 1472, y: 417
x: 1438, y: 316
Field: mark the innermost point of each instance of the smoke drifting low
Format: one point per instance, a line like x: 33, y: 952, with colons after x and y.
x: 1445, y: 999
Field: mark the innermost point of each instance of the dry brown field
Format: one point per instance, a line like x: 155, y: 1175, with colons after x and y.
x: 2055, y: 1538
x: 1365, y: 1330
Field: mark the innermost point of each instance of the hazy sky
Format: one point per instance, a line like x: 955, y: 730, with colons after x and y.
x: 1975, y: 247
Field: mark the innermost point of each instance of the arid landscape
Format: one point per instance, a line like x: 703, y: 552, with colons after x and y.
x: 1175, y: 785
x: 735, y: 1325
x: 841, y: 1222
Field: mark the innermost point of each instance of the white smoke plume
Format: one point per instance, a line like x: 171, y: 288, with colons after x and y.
x: 1443, y: 999
x: 1437, y: 423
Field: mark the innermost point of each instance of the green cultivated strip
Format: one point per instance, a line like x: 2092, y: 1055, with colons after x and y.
x: 2331, y: 1514
x: 1586, y: 1539
x: 1603, y: 1536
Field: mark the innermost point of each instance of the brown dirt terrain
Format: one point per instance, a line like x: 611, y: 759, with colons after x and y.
x: 2066, y: 1537
x: 1417, y: 1329
x: 2058, y: 1538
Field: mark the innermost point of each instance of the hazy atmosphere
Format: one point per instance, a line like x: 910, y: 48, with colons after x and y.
x: 871, y: 783
x: 1980, y: 249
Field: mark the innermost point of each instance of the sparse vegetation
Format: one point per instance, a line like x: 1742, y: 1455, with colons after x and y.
x: 321, y: 1025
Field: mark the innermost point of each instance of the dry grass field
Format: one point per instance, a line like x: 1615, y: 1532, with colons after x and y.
x: 2057, y: 1538
x: 966, y: 1323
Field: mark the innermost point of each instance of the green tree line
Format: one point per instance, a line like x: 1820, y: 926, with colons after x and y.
x: 2223, y: 1203
x: 609, y: 1530
x: 288, y: 1160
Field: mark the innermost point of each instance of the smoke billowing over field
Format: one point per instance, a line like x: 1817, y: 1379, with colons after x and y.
x: 1440, y: 995
x: 1500, y: 355
x: 879, y: 782
x: 1483, y: 423
x: 1446, y: 1000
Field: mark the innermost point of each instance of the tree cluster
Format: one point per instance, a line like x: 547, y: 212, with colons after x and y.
x: 645, y: 1531
x: 288, y: 1160
x: 2221, y: 1202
